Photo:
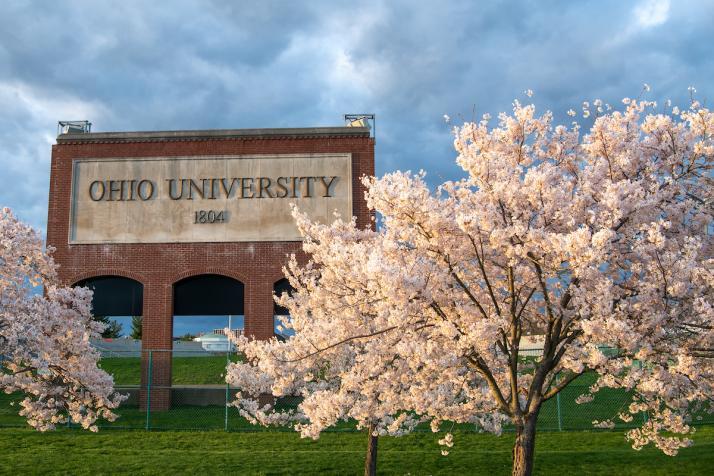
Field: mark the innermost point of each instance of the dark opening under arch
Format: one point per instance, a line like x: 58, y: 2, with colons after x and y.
x: 280, y: 287
x: 208, y: 294
x: 115, y: 295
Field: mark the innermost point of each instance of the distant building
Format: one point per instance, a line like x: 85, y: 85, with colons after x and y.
x: 235, y: 332
x: 215, y: 342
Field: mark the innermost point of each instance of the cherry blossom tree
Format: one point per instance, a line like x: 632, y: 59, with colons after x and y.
x: 45, y: 350
x: 591, y: 240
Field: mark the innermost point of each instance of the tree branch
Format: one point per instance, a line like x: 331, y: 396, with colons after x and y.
x: 344, y: 341
x: 560, y: 386
x: 483, y: 369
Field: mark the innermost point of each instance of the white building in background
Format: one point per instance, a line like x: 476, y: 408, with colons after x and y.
x: 235, y: 332
x: 215, y: 342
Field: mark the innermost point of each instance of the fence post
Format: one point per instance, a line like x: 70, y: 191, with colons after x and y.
x: 148, y: 392
x: 228, y: 360
x: 557, y: 404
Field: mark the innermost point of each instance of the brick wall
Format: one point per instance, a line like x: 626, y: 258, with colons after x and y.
x: 159, y: 265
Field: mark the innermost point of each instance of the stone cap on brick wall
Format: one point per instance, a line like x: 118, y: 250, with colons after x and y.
x: 215, y: 134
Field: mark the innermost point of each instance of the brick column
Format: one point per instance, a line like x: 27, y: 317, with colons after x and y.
x: 259, y: 308
x: 156, y: 343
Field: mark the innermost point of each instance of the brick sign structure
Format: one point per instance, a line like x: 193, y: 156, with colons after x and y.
x: 161, y: 207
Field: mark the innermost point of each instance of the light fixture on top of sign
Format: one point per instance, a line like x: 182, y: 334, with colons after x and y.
x: 362, y: 120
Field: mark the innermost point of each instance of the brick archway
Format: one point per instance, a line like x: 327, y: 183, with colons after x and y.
x: 159, y: 263
x: 228, y: 273
x: 208, y: 294
x: 114, y: 295
x: 73, y: 280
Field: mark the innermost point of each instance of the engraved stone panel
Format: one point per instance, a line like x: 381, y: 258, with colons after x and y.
x: 205, y: 199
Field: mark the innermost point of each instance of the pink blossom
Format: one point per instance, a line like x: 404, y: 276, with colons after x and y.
x: 598, y: 242
x: 44, y: 338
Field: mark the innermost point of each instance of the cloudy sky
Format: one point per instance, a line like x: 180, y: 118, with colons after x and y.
x: 137, y: 65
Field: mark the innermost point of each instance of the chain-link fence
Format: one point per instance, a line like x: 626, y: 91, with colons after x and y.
x: 181, y: 389
x: 185, y: 389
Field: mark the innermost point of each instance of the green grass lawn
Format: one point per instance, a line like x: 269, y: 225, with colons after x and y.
x: 171, y: 452
x: 184, y: 370
x: 562, y: 413
x: 556, y: 414
x: 123, y: 447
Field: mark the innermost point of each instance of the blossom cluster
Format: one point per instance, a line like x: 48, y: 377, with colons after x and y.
x: 592, y: 240
x: 45, y: 350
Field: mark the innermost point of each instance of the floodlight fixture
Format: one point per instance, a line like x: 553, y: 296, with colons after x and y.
x: 362, y: 120
x: 73, y: 127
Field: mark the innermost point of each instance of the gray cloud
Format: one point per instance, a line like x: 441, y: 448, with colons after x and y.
x: 135, y: 65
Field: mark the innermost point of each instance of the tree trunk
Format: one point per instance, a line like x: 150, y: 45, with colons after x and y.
x: 370, y: 461
x: 524, y: 447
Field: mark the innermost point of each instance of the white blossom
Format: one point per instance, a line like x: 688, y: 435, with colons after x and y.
x: 44, y: 338
x: 598, y: 241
